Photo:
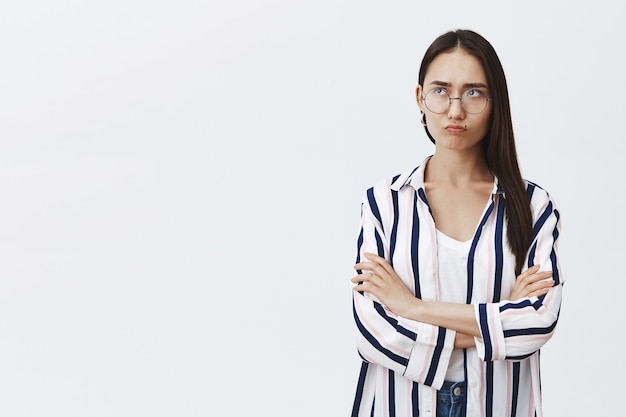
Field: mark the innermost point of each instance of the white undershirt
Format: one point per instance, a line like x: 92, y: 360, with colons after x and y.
x: 452, y: 264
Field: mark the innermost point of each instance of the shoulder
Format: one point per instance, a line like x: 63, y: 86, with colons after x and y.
x: 540, y: 200
x: 384, y: 185
x: 535, y: 191
x: 413, y: 177
x: 382, y: 198
x: 391, y: 185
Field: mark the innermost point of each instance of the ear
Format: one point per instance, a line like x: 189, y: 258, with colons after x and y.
x: 418, y: 96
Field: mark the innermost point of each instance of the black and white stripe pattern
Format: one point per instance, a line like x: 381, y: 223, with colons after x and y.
x: 404, y: 361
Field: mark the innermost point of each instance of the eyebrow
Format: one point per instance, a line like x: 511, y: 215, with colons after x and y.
x: 466, y: 85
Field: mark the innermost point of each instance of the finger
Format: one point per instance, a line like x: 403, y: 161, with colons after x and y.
x: 548, y: 283
x: 540, y: 288
x: 372, y: 257
x: 376, y: 262
x: 367, y: 287
x: 361, y: 278
x: 533, y: 269
x: 537, y: 277
x: 539, y: 292
x: 366, y: 278
x: 538, y: 280
x: 364, y: 266
x: 530, y: 277
x: 374, y: 268
x: 382, y: 262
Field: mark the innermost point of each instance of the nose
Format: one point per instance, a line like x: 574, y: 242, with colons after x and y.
x: 455, y: 111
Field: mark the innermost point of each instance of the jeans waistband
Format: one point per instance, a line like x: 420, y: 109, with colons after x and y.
x: 454, y: 389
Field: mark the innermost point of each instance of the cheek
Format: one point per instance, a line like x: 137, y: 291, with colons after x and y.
x: 485, y: 122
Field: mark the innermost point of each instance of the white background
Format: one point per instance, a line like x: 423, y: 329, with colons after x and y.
x: 180, y: 184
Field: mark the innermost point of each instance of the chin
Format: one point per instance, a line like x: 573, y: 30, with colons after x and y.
x: 458, y: 142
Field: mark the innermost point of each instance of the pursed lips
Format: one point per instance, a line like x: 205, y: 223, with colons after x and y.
x: 456, y: 128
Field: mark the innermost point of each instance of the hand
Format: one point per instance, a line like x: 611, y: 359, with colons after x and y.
x: 379, y: 278
x: 532, y: 283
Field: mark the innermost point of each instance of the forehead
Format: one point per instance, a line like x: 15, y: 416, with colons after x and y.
x: 456, y: 67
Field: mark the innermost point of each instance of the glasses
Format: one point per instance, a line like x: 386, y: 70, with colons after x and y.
x: 473, y: 101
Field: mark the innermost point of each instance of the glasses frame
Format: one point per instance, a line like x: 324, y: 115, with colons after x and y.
x: 490, y: 98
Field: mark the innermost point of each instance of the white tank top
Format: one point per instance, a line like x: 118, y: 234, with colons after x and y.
x: 452, y: 265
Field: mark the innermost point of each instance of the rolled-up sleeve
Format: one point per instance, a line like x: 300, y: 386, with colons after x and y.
x: 514, y: 330
x: 419, y: 351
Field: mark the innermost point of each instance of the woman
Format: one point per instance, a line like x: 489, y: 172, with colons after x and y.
x: 458, y: 283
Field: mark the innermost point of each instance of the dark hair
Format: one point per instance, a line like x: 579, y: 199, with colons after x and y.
x: 498, y: 144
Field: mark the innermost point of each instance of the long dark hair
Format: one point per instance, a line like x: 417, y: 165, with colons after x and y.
x: 498, y: 144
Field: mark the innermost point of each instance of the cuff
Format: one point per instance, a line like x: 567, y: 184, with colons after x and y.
x: 430, y: 356
x: 491, y: 346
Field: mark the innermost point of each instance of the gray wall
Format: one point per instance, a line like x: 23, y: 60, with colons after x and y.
x: 180, y: 186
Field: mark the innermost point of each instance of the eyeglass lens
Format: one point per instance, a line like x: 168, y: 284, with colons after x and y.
x: 439, y: 101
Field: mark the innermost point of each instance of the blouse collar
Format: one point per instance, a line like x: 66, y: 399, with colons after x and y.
x: 415, y: 178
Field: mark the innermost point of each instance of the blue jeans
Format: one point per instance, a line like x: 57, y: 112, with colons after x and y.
x: 451, y: 400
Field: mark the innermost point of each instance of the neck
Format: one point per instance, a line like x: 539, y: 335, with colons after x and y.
x: 457, y: 167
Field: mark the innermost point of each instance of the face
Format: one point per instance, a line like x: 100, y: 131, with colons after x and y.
x: 458, y: 74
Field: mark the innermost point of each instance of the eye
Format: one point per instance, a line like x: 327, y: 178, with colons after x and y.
x: 440, y: 91
x: 474, y: 93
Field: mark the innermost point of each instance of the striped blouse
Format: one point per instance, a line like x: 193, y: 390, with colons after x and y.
x: 405, y: 361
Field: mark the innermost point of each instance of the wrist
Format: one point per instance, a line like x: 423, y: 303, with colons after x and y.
x: 416, y: 310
